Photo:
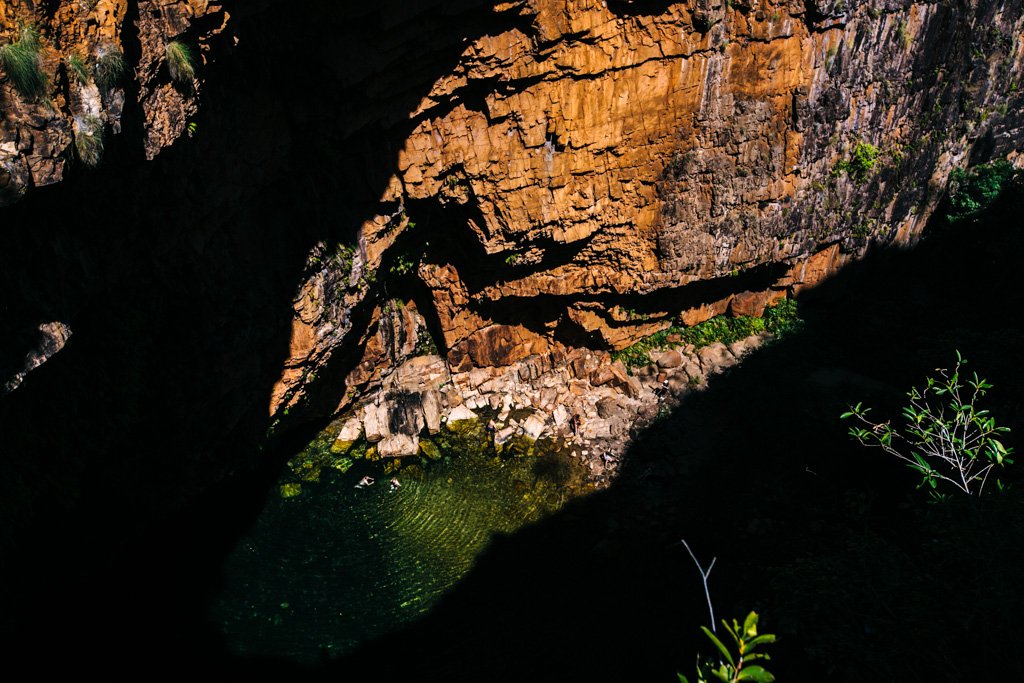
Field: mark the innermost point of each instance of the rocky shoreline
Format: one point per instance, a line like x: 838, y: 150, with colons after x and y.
x: 581, y: 402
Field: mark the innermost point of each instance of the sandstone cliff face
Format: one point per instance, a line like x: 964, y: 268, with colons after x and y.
x: 598, y: 169
x: 37, y: 133
x: 543, y: 174
x: 533, y: 175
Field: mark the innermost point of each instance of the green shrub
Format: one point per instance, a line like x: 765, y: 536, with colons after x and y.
x: 22, y: 62
x: 861, y: 162
x: 946, y: 437
x: 779, y: 320
x: 109, y: 67
x: 180, y: 62
x: 89, y: 140
x: 77, y: 68
x: 973, y: 190
x: 733, y: 667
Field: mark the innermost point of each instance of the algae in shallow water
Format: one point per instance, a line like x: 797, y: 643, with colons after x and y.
x: 291, y: 490
x: 354, y: 564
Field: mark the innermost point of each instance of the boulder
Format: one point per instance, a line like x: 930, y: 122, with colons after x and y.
x: 679, y: 383
x: 398, y: 446
x: 460, y: 413
x: 430, y: 401
x: 349, y: 434
x: 405, y: 414
x: 715, y: 357
x: 742, y: 347
x: 560, y: 415
x: 693, y: 371
x: 615, y: 375
x: 375, y: 422
x: 670, y: 359
x: 533, y: 427
x: 610, y: 407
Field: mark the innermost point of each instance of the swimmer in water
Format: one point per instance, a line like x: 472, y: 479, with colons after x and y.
x: 364, y: 482
x: 395, y: 484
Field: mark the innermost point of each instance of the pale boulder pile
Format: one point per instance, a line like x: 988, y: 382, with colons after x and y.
x: 581, y: 398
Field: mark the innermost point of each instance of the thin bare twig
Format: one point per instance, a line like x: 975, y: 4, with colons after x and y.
x: 704, y: 574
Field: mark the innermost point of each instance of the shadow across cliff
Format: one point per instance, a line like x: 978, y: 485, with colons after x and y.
x: 847, y: 562
x: 132, y: 458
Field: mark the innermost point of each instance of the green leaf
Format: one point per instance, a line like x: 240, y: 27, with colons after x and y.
x: 721, y: 675
x: 756, y: 674
x: 750, y: 625
x: 761, y: 640
x: 682, y: 678
x: 721, y: 648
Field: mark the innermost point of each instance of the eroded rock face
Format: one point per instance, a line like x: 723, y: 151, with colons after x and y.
x: 550, y: 174
x: 580, y: 400
x: 37, y: 134
x: 617, y: 166
x: 50, y: 338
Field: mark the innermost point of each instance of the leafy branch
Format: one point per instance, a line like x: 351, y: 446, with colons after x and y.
x: 946, y: 436
x: 730, y: 668
x: 736, y: 666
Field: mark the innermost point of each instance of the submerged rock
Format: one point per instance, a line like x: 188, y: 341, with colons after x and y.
x: 290, y: 490
x: 429, y: 449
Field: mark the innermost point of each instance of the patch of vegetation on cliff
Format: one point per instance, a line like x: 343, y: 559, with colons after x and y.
x: 89, y: 140
x: 22, y: 63
x: 778, y: 320
x: 861, y: 162
x: 180, y: 62
x: 77, y: 68
x: 973, y: 190
x: 109, y: 66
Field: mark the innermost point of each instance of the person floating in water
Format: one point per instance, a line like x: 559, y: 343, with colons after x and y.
x: 365, y: 481
x: 395, y: 484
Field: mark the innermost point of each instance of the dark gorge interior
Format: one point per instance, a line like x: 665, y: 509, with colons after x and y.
x: 135, y: 458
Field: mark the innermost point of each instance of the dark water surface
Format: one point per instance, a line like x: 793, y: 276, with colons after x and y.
x: 336, y: 566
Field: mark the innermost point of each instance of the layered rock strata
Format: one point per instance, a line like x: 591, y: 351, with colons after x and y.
x: 598, y: 171
x: 543, y: 175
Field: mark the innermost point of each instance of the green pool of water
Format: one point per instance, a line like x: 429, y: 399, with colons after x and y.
x: 334, y: 566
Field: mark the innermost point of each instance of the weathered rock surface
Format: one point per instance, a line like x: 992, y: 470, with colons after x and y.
x: 594, y: 172
x: 50, y: 338
x: 581, y: 399
x: 37, y: 137
x: 592, y: 158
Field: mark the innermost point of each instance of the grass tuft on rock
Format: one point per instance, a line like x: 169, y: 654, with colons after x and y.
x: 77, y: 68
x: 89, y: 140
x: 23, y: 64
x: 110, y: 66
x: 180, y: 62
